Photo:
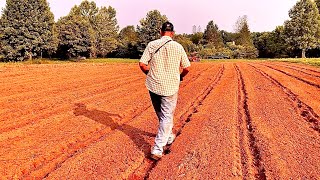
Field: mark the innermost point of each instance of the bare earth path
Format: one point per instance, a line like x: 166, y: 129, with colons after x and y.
x: 234, y: 120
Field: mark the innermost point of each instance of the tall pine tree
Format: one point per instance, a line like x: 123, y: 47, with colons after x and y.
x: 303, y: 29
x: 243, y: 32
x: 213, y: 36
x: 27, y: 28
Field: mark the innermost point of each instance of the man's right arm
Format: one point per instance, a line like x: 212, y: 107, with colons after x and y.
x: 144, y: 68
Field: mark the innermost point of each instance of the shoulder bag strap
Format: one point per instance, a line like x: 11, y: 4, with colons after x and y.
x: 161, y: 46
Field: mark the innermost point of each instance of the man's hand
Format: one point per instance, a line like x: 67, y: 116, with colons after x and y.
x: 185, y: 71
x: 144, y: 68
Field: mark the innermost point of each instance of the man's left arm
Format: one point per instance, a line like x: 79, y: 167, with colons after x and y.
x: 144, y: 61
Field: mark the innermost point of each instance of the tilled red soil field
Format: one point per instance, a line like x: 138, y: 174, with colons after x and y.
x: 234, y: 120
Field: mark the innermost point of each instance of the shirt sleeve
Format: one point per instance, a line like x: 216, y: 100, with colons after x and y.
x: 184, y: 60
x: 146, y: 57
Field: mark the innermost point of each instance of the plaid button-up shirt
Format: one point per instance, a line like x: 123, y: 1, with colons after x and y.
x: 164, y: 75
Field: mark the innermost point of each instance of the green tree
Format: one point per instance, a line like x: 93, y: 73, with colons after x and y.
x: 99, y: 31
x: 243, y: 32
x: 149, y: 28
x: 106, y: 30
x: 185, y: 42
x: 228, y: 36
x: 128, y: 38
x: 104, y: 24
x: 271, y: 44
x: 1, y: 51
x: 212, y: 35
x: 128, y: 35
x: 28, y: 29
x: 318, y: 4
x: 87, y: 10
x: 303, y: 29
x: 262, y: 41
x: 278, y: 45
x: 245, y: 47
x: 75, y: 37
x: 197, y: 38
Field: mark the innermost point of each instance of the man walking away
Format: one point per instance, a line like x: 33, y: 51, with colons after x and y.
x: 161, y: 62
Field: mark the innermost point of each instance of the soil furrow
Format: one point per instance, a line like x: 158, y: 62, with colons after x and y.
x: 73, y: 148
x: 187, y: 116
x: 120, y: 93
x: 308, y: 76
x: 304, y: 67
x: 100, y: 139
x: 208, y: 144
x: 287, y: 143
x: 234, y: 120
x: 302, y: 108
x: 78, y: 148
x: 194, y: 78
x: 21, y: 105
x: 298, y: 78
x: 299, y: 70
x: 57, y: 79
x: 245, y: 116
x: 193, y: 108
x: 47, y: 111
x: 59, y: 108
x: 147, y: 166
x: 29, y: 92
x: 45, y: 165
x: 242, y: 126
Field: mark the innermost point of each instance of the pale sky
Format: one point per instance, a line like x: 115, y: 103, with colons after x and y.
x: 263, y: 15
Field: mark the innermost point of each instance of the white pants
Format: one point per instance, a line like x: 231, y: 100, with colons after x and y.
x: 164, y: 107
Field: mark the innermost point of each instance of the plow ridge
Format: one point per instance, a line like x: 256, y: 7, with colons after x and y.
x: 148, y: 165
x: 305, y: 111
x: 73, y: 149
x: 235, y: 120
x: 246, y: 129
x: 194, y: 78
x: 298, y: 78
x: 23, y: 96
x: 299, y: 70
x: 308, y: 69
x: 30, y: 119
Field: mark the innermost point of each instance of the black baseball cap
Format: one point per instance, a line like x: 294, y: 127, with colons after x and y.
x: 167, y: 26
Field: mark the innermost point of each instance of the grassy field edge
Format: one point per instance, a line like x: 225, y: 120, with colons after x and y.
x: 307, y: 61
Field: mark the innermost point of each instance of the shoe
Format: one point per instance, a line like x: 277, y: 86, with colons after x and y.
x: 171, y: 139
x: 156, y: 157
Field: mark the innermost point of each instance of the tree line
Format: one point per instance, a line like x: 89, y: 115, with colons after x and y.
x: 28, y: 30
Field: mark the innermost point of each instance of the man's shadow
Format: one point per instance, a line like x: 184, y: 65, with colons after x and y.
x: 106, y: 119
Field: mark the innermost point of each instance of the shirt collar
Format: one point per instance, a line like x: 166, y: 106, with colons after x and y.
x: 166, y: 38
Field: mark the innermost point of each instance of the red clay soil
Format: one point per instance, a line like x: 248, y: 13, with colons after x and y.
x: 95, y: 121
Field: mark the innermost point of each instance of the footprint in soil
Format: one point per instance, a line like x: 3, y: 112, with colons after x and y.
x: 105, y: 118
